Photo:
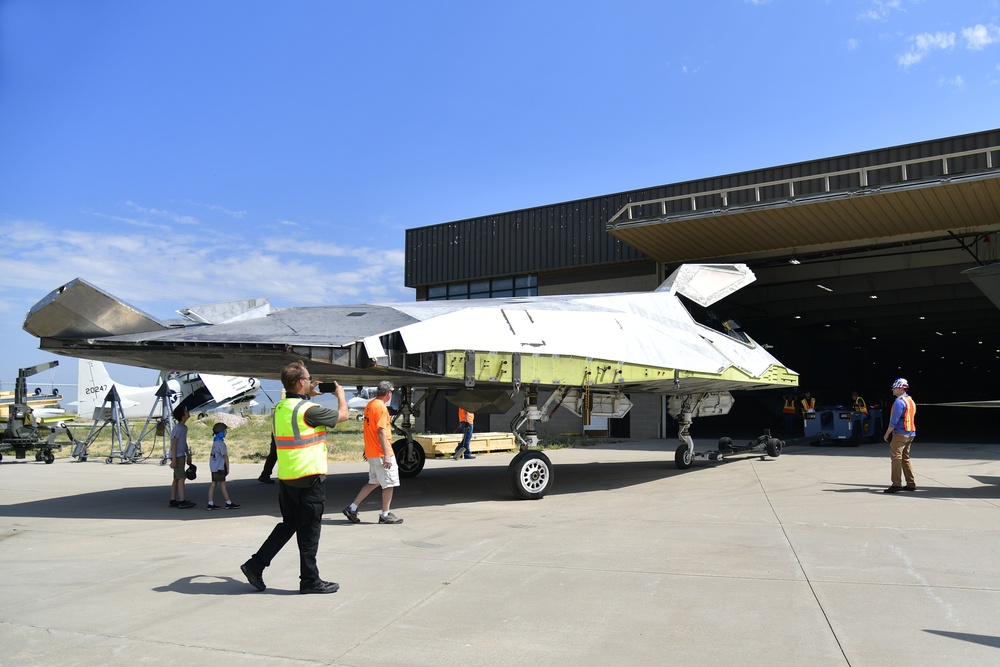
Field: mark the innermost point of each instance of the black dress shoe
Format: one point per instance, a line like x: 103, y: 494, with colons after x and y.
x: 320, y: 587
x: 255, y: 578
x: 893, y: 489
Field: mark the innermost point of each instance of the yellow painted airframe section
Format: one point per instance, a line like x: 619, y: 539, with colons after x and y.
x: 579, y: 371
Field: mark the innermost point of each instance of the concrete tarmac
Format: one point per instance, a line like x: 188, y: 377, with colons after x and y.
x: 800, y: 560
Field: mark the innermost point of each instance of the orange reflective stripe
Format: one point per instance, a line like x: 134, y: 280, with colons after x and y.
x: 909, y: 415
x: 301, y: 448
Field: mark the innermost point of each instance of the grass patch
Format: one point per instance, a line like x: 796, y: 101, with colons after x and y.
x: 248, y: 439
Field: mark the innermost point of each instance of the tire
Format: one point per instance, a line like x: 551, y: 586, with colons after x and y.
x: 774, y: 448
x: 530, y: 475
x: 682, y: 457
x: 50, y: 457
x: 409, y: 465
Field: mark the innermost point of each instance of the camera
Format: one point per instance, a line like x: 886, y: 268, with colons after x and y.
x: 326, y: 387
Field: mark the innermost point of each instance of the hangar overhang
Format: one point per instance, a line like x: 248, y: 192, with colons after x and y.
x: 863, y: 280
x: 709, y: 225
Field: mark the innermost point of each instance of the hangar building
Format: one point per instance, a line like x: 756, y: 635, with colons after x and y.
x: 858, y: 257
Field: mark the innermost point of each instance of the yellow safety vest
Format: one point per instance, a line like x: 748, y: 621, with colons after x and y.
x: 301, y: 448
x: 859, y: 405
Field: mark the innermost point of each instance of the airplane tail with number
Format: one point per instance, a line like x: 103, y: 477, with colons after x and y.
x: 93, y: 384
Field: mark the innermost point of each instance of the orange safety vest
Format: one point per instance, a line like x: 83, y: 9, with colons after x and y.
x: 808, y: 404
x: 859, y: 405
x: 464, y: 416
x: 789, y: 408
x: 910, y: 414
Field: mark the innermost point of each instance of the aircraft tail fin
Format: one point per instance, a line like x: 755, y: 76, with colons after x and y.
x: 707, y: 283
x: 93, y: 382
x: 987, y: 279
x: 81, y: 310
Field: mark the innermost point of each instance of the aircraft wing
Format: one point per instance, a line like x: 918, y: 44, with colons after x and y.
x: 628, y: 341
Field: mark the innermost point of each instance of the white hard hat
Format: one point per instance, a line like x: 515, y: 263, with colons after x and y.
x: 900, y: 383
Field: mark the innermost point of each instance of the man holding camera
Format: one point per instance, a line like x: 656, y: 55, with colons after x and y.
x: 300, y: 438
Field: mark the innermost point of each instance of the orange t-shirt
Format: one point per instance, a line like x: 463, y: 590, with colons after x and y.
x: 464, y: 416
x: 376, y: 417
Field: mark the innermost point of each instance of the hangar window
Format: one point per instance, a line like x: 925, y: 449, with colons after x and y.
x: 485, y: 289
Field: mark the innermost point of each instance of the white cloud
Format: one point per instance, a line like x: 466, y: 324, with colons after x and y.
x: 980, y: 36
x: 162, y: 272
x: 168, y: 215
x: 853, y: 44
x: 957, y: 82
x: 923, y: 44
x: 239, y: 215
x: 130, y: 221
x: 881, y: 10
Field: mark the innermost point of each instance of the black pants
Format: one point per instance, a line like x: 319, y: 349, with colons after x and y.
x: 272, y: 458
x: 301, y: 515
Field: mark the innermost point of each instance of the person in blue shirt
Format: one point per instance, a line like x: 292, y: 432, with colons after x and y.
x: 902, y: 429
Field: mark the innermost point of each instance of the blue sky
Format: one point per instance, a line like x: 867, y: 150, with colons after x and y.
x: 188, y: 152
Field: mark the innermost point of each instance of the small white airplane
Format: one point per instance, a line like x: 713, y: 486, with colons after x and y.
x: 43, y: 406
x: 199, y: 392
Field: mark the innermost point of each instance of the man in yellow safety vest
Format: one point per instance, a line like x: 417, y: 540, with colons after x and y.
x: 300, y: 439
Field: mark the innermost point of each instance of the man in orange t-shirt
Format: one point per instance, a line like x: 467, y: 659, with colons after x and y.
x: 465, y: 420
x: 382, y: 469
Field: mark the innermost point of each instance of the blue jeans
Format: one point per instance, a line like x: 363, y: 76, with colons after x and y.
x: 467, y: 427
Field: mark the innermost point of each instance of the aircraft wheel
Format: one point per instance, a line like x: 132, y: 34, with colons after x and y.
x: 39, y: 455
x: 682, y: 457
x: 50, y: 457
x: 409, y: 465
x: 774, y: 448
x: 530, y: 475
x: 82, y: 458
x: 108, y: 460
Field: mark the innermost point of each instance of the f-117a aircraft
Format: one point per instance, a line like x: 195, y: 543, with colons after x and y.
x: 587, y: 350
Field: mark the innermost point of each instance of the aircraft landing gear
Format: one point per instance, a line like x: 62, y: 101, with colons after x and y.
x: 682, y: 457
x: 530, y: 474
x: 410, y: 457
